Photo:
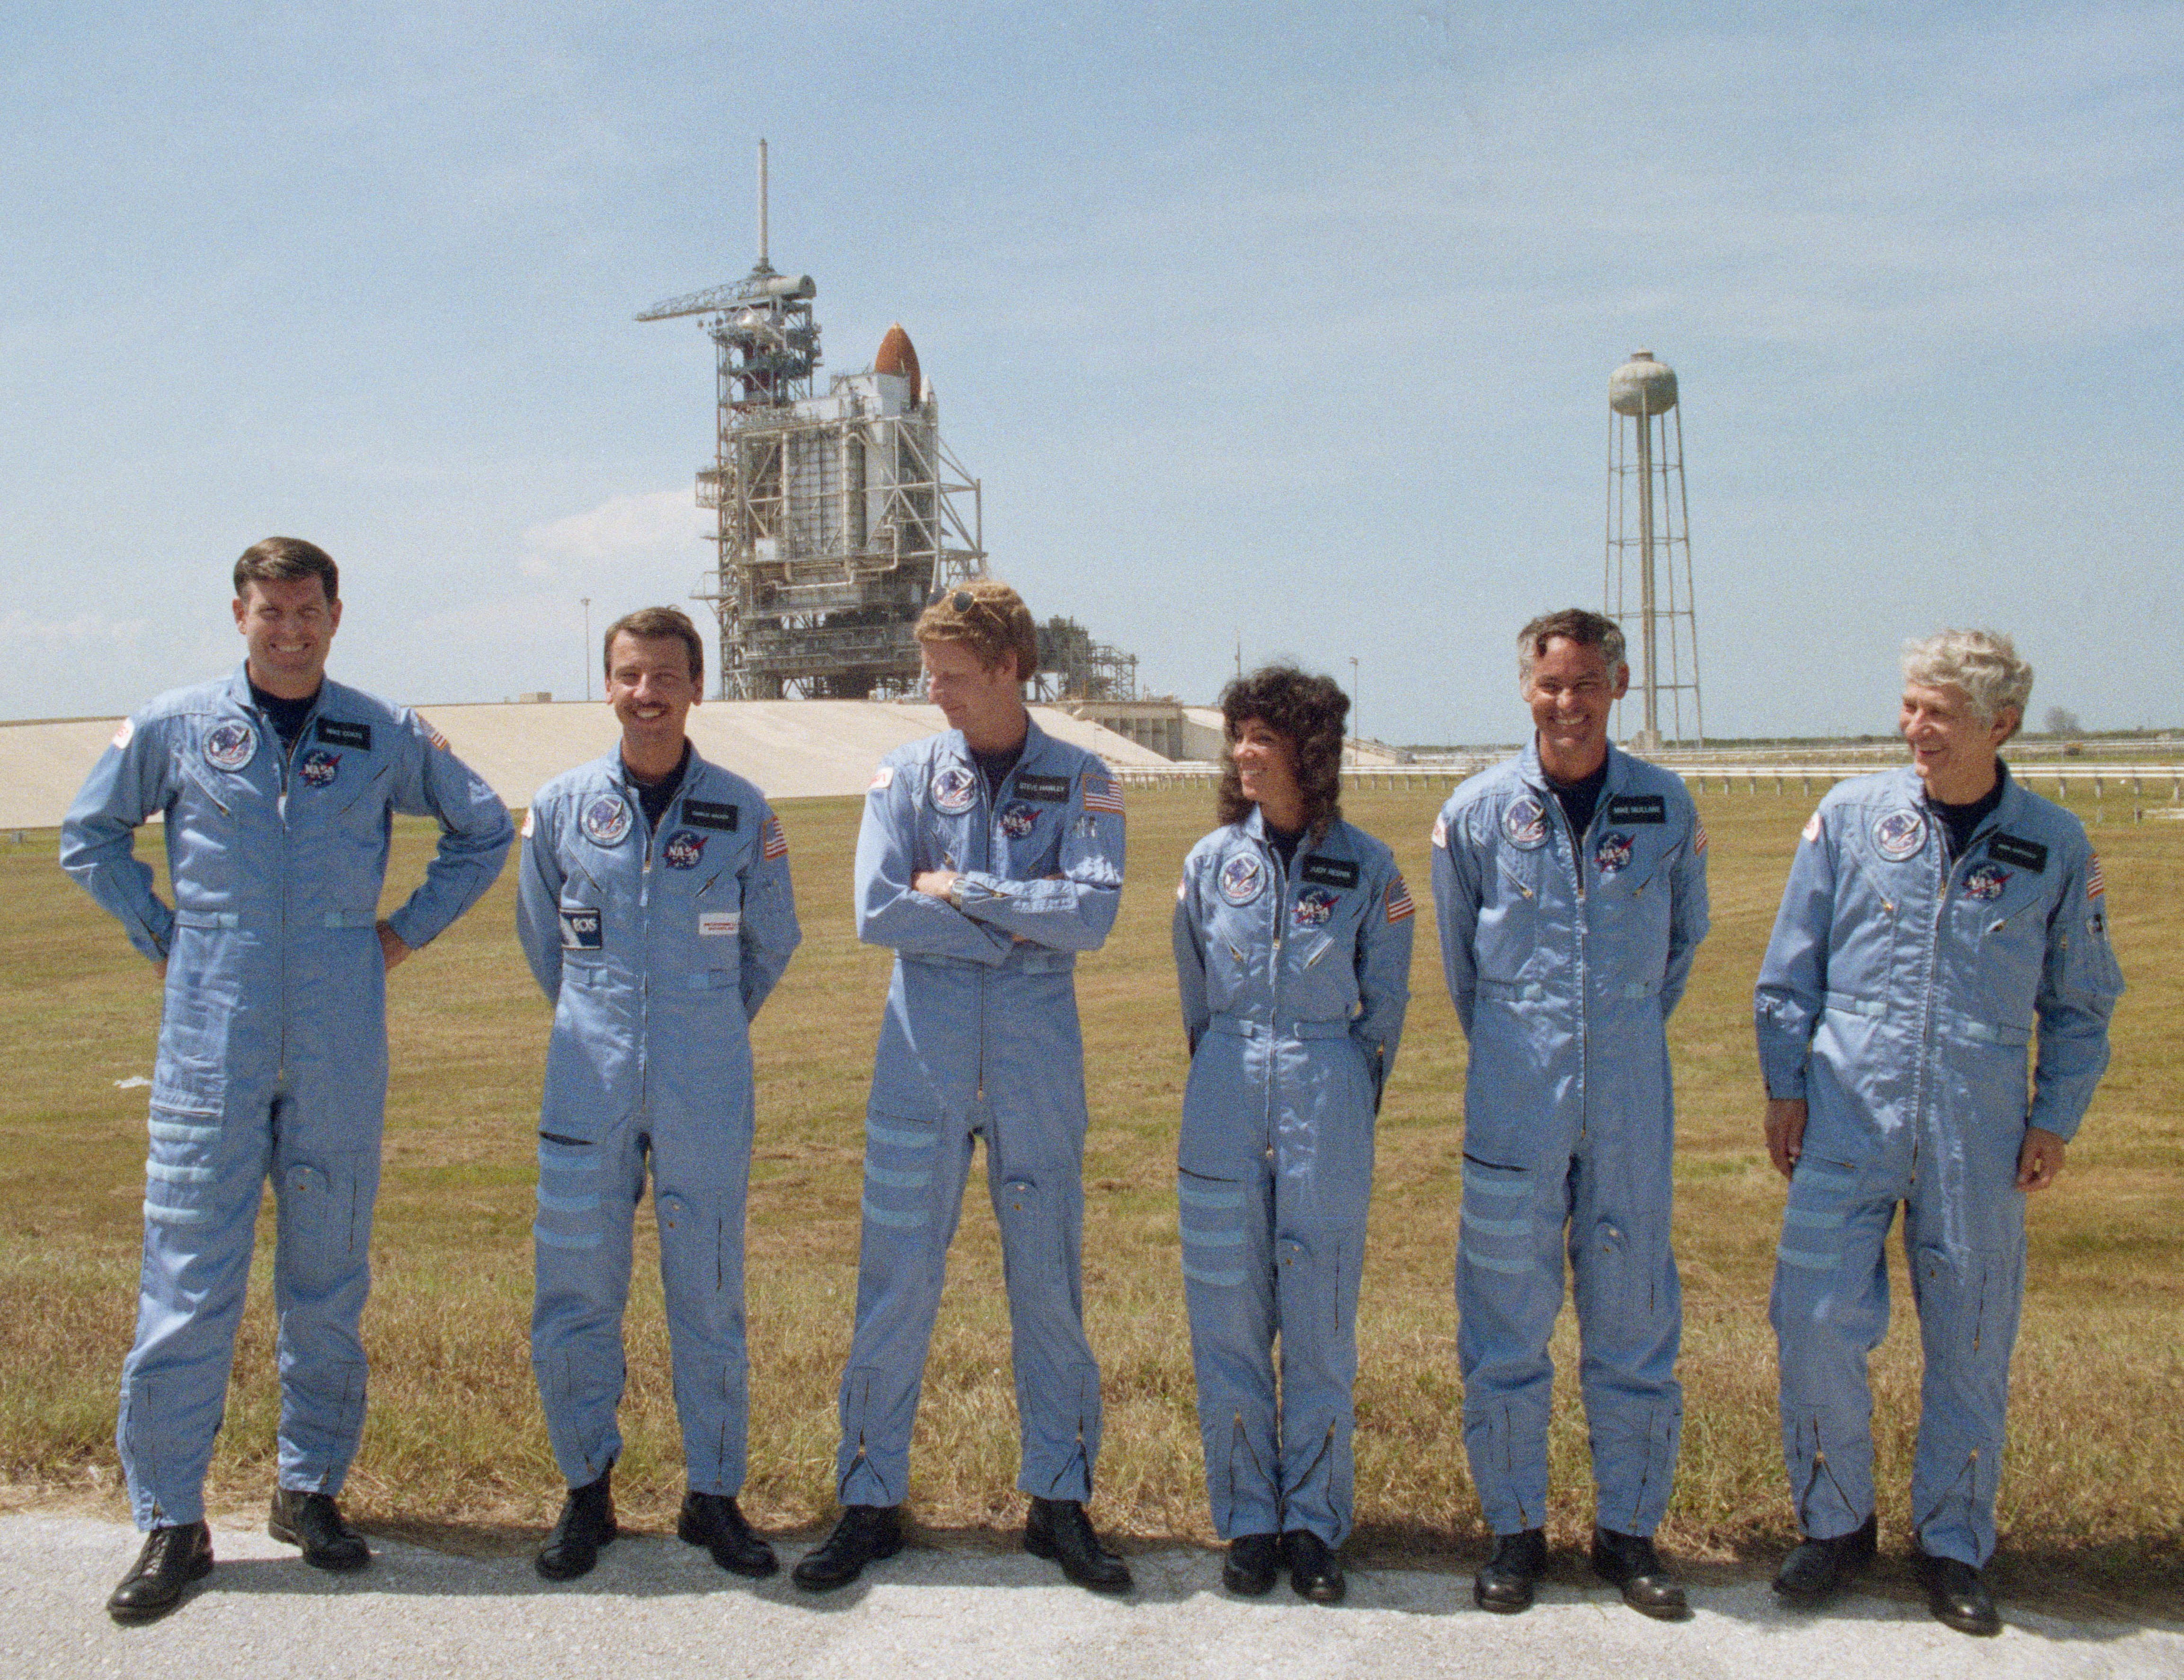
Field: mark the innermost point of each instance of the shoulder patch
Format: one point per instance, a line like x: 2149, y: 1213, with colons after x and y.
x: 2010, y: 849
x: 1440, y: 832
x: 1813, y: 828
x: 777, y: 839
x: 529, y: 819
x: 705, y: 814
x: 1399, y: 899
x: 1101, y: 792
x: 1325, y: 871
x: 1699, y: 841
x: 882, y: 778
x: 336, y: 733
x: 1637, y: 808
x: 2095, y: 887
x: 127, y: 732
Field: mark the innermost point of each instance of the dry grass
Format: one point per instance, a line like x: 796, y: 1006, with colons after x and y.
x: 454, y: 1449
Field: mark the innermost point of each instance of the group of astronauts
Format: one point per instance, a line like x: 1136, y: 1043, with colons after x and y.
x: 1941, y: 926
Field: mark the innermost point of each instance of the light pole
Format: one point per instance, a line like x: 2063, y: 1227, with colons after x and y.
x: 1356, y: 733
x: 587, y: 645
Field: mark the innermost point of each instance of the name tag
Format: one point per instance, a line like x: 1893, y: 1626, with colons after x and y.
x: 1330, y: 872
x: 2008, y: 849
x: 583, y: 930
x: 719, y: 923
x: 704, y: 814
x: 336, y: 734
x: 1053, y: 789
x: 1638, y: 808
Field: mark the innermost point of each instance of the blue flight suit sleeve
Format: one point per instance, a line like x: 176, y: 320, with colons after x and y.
x: 891, y: 911
x: 99, y: 847
x: 1188, y: 936
x: 1793, y: 975
x: 1456, y: 912
x: 538, y: 880
x: 1073, y: 912
x: 769, y: 934
x: 1688, y: 918
x: 1384, y: 979
x: 475, y: 831
x: 2079, y: 985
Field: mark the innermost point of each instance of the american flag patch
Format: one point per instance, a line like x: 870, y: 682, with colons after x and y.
x: 1699, y: 844
x: 1399, y: 900
x: 777, y: 839
x: 2094, y: 885
x: 1101, y: 794
x: 439, y: 740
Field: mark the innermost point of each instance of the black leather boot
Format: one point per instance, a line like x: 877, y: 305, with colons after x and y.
x: 314, y: 1521
x: 712, y: 1520
x: 1058, y: 1529
x: 1252, y: 1564
x: 1630, y: 1562
x: 1315, y: 1572
x: 587, y: 1522
x: 864, y: 1534
x: 1505, y: 1585
x: 1817, y: 1570
x: 1957, y: 1595
x: 174, y: 1554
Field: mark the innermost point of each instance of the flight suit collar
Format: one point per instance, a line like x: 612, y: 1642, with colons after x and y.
x: 1036, y: 742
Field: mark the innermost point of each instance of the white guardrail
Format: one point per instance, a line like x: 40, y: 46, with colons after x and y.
x: 2160, y: 784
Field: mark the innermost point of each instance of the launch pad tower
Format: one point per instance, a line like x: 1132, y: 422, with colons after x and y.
x: 838, y: 515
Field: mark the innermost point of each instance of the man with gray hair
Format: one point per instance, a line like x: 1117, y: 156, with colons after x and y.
x: 1939, y: 919
x: 1569, y: 884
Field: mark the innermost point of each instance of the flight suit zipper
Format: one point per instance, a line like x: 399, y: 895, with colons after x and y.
x: 644, y: 961
x: 1578, y: 929
x: 1282, y: 913
x: 281, y: 763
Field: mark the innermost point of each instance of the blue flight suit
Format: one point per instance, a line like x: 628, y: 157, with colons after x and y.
x: 980, y: 1037
x: 272, y: 1055
x: 1294, y: 981
x: 1899, y: 994
x: 1564, y: 955
x: 656, y: 949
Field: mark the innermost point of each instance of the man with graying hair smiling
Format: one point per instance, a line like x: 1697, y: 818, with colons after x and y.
x: 1939, y: 919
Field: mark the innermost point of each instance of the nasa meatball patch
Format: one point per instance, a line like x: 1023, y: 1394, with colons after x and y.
x: 1018, y: 819
x: 606, y: 820
x: 319, y: 768
x: 1314, y: 905
x: 685, y: 850
x: 229, y: 746
x: 1985, y: 882
x: 1612, y: 855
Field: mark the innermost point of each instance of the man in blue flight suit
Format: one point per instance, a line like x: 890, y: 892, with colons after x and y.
x: 1292, y: 935
x: 654, y: 906
x: 1938, y: 920
x: 1570, y: 887
x: 990, y: 855
x: 277, y: 788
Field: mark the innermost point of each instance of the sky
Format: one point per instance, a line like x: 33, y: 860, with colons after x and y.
x: 1278, y: 328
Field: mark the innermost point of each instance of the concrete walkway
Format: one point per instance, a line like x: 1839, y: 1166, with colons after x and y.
x: 658, y: 1608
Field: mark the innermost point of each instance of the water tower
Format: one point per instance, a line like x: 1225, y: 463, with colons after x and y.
x: 1648, y: 582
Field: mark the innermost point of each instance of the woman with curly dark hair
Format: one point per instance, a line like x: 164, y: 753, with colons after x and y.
x: 1293, y: 956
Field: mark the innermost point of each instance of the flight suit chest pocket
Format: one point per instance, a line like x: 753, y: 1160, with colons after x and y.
x: 2003, y: 921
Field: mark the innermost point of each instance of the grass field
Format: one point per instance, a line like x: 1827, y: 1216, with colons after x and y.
x: 455, y: 1452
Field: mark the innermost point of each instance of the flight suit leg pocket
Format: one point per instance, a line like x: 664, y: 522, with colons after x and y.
x: 1210, y: 1221
x: 181, y: 1168
x: 901, y: 1154
x: 325, y: 1222
x: 1031, y: 1235
x: 1496, y: 1231
x: 572, y: 1177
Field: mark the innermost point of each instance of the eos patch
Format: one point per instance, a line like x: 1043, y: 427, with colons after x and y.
x: 685, y: 850
x: 1017, y: 819
x: 704, y: 814
x: 1612, y: 856
x: 1525, y: 823
x: 1047, y: 789
x: 2008, y: 849
x: 719, y: 923
x: 1314, y: 904
x: 319, y: 768
x: 1324, y: 871
x: 229, y: 746
x: 1242, y: 878
x: 336, y: 733
x: 583, y: 930
x: 1899, y: 835
x: 606, y: 820
x: 1985, y: 882
x: 953, y: 788
x: 1638, y: 808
